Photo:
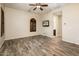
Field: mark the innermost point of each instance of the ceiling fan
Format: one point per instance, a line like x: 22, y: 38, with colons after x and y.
x: 39, y: 5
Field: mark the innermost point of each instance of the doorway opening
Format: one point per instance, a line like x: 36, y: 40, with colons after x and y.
x: 57, y: 30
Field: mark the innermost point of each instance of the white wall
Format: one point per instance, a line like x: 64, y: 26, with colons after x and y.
x: 70, y: 25
x: 17, y: 23
x: 0, y: 27
x: 56, y: 27
x: 59, y: 25
x: 70, y: 22
x: 0, y: 20
x: 47, y: 31
x: 3, y: 37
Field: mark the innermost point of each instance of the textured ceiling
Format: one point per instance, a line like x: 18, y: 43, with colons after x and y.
x: 26, y: 7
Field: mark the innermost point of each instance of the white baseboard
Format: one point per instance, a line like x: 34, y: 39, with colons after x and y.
x: 2, y: 41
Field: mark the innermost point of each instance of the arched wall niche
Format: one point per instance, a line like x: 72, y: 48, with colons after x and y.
x: 32, y: 25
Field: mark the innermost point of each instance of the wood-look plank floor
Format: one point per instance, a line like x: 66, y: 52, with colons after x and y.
x: 38, y: 46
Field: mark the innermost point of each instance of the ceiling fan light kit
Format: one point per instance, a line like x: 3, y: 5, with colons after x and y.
x: 38, y: 6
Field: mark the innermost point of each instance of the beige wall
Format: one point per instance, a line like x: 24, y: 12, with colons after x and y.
x: 70, y: 23
x: 17, y: 23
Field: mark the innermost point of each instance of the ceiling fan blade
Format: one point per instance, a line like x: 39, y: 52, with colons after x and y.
x: 35, y: 8
x: 45, y: 5
x: 32, y: 4
x: 41, y: 9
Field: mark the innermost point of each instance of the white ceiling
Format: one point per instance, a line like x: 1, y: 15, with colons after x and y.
x: 26, y: 7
